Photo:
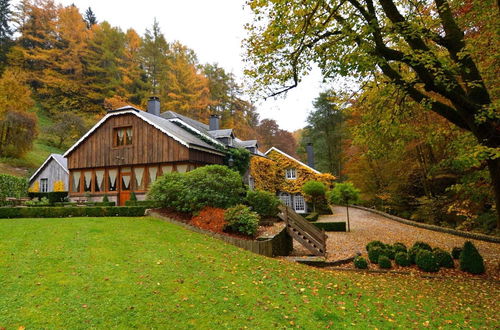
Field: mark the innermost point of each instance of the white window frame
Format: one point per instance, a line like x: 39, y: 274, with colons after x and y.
x: 44, y: 185
x: 291, y: 173
x: 286, y: 199
x: 299, y: 204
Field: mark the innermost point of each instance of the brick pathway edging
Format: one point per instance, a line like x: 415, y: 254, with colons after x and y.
x: 480, y: 237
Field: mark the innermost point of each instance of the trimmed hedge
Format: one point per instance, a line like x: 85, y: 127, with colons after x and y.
x: 443, y: 258
x: 148, y: 204
x: 331, y: 226
x: 384, y: 262
x: 402, y: 259
x: 63, y: 212
x: 53, y: 196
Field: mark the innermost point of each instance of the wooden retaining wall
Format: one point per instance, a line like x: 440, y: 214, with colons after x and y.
x: 278, y: 245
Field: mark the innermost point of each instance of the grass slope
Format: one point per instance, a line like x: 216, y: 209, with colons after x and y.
x: 145, y: 273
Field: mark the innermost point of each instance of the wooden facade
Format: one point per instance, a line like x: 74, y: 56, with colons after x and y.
x: 103, y: 164
x: 51, y: 176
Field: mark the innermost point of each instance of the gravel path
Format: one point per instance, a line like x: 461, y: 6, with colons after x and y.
x: 367, y: 226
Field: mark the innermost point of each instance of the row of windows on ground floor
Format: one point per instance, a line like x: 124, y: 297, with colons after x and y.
x: 295, y: 201
x: 126, y: 178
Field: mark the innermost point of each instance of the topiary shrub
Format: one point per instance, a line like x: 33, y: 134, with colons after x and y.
x: 105, y: 199
x: 470, y: 259
x: 384, y: 262
x: 426, y: 261
x: 443, y: 258
x: 360, y: 263
x: 373, y: 244
x: 315, y: 191
x: 374, y: 253
x: 389, y: 252
x: 212, y: 185
x: 412, y: 253
x: 263, y: 202
x: 399, y: 247
x: 422, y: 246
x: 402, y: 259
x: 242, y: 220
x: 133, y: 197
x: 455, y: 252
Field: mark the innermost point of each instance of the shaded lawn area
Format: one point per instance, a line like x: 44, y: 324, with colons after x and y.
x: 142, y: 272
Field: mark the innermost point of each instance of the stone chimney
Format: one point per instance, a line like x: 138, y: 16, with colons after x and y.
x: 154, y: 105
x: 310, y: 155
x: 214, y: 123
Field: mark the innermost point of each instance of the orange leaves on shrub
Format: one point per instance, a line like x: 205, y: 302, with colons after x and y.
x: 210, y: 218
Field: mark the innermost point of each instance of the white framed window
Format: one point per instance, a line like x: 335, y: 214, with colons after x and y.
x: 291, y: 173
x: 44, y: 185
x: 299, y: 204
x: 286, y: 199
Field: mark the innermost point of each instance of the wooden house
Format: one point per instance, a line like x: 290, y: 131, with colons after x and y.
x: 129, y: 148
x: 51, y: 176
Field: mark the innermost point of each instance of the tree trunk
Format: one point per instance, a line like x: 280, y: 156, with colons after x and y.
x: 494, y: 168
x: 348, y: 222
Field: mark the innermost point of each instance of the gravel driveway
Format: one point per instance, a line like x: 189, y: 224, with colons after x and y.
x: 367, y: 226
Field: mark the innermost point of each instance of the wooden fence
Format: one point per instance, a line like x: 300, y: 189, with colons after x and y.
x: 278, y: 245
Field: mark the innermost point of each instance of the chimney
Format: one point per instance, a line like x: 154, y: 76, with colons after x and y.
x: 214, y: 123
x: 310, y: 155
x: 154, y: 105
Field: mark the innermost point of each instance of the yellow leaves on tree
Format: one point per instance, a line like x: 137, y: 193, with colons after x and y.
x: 269, y: 174
x: 15, y: 95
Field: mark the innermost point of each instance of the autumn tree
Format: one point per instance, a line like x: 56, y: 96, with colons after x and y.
x: 154, y: 56
x: 134, y: 80
x: 68, y: 126
x: 421, y: 47
x: 271, y: 135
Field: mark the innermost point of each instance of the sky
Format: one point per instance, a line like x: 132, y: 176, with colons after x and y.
x: 214, y: 29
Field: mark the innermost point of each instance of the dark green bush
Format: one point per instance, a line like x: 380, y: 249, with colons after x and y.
x: 373, y: 244
x: 455, y: 252
x: 399, y: 247
x: 384, y: 262
x: 390, y: 252
x: 331, y: 226
x: 105, y: 199
x: 263, y: 202
x: 374, y: 253
x: 402, y: 259
x: 422, y: 246
x: 315, y: 191
x: 62, y: 212
x: 312, y: 216
x: 413, y: 251
x: 100, y: 203
x: 212, y: 185
x: 443, y: 258
x: 53, y: 196
x: 133, y: 197
x: 426, y: 261
x: 147, y: 203
x: 241, y: 219
x: 12, y: 186
x: 470, y: 259
x: 360, y: 263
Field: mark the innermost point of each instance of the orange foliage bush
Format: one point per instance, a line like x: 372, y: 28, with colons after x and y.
x: 210, y: 218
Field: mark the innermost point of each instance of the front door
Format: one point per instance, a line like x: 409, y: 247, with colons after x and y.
x: 125, y: 182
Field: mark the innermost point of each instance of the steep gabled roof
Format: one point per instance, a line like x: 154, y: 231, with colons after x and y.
x: 166, y: 126
x: 63, y: 162
x: 292, y: 158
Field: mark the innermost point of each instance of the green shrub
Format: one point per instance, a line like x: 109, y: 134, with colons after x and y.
x: 443, y: 258
x: 373, y: 244
x: 147, y: 203
x: 63, y: 212
x: 241, y: 219
x: 384, y: 262
x: 212, y: 185
x: 263, y: 202
x: 360, y: 263
x: 390, y: 252
x: 455, y: 252
x: 12, y: 186
x: 331, y: 226
x: 402, y: 259
x: 105, y: 199
x: 470, y: 259
x: 312, y: 216
x: 412, y: 253
x: 374, y: 253
x: 133, y: 197
x: 316, y: 191
x: 399, y: 247
x: 53, y: 196
x: 426, y: 261
x: 422, y: 246
x: 100, y: 203
x: 44, y: 201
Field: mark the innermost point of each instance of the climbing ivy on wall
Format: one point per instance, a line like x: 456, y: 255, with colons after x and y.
x: 269, y: 174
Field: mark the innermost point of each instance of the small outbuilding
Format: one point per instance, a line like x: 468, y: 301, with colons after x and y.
x: 53, y: 175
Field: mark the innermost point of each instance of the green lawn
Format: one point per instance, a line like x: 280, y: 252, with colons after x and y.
x: 145, y: 273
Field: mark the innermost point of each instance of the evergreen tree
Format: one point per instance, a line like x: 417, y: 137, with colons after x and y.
x: 90, y: 18
x: 5, y: 32
x: 154, y: 59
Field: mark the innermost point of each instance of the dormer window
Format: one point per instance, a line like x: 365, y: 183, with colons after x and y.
x: 291, y: 173
x: 122, y: 136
